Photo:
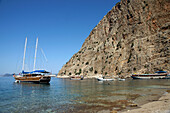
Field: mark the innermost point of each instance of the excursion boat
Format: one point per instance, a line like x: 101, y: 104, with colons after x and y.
x: 167, y: 77
x: 76, y: 78
x: 36, y: 76
x: 157, y: 75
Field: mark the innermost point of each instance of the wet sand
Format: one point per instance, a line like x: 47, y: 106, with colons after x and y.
x: 160, y: 106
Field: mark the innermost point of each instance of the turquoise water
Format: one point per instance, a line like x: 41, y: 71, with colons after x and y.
x: 89, y: 95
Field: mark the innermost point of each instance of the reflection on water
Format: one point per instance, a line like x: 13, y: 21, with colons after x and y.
x: 27, y: 84
x: 64, y: 95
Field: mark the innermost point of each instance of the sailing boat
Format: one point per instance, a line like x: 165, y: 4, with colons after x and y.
x: 36, y: 76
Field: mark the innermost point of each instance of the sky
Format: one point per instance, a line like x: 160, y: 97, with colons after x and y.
x: 61, y: 26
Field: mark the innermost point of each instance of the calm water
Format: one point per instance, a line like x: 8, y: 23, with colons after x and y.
x: 89, y: 95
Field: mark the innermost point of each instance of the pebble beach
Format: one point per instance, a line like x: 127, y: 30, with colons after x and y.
x: 160, y: 106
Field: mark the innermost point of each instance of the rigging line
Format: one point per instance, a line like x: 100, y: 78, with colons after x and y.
x: 18, y: 65
x: 44, y: 55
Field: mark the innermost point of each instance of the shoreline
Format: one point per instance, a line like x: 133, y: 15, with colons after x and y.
x: 159, y: 105
x: 162, y: 105
x: 86, y: 77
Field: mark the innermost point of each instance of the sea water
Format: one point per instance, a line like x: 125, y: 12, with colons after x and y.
x: 89, y: 95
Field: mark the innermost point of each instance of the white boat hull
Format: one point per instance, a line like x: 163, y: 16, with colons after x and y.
x: 102, y: 79
x: 52, y: 75
x: 120, y: 79
x: 151, y: 77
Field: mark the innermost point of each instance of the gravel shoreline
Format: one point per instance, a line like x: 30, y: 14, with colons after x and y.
x: 160, y: 106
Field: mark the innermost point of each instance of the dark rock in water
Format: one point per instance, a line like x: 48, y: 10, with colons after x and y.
x: 133, y: 37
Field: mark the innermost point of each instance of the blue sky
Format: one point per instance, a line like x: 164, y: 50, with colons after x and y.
x: 61, y: 26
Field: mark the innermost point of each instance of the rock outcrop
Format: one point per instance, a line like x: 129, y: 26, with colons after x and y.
x: 134, y: 37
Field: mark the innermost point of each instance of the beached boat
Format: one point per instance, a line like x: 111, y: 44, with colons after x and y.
x: 37, y: 76
x: 157, y: 75
x: 76, y: 78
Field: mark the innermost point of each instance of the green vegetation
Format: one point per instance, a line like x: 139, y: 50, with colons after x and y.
x: 134, y: 69
x: 87, y: 63
x: 95, y: 72
x: 65, y: 72
x: 120, y: 73
x: 118, y: 45
x: 95, y: 42
x: 116, y: 68
x: 129, y: 57
x: 146, y: 66
x: 77, y: 73
x: 107, y: 57
x: 91, y: 69
x: 132, y: 45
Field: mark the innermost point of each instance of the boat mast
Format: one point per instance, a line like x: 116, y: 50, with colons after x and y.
x: 35, y: 53
x: 24, y: 54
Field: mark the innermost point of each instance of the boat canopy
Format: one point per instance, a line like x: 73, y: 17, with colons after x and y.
x: 23, y: 72
x: 36, y: 71
x: 41, y: 71
x: 161, y: 72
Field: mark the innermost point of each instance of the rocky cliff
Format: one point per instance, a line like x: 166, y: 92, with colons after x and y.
x: 134, y: 37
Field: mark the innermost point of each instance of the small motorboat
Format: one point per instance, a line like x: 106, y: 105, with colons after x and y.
x: 105, y: 79
x: 77, y: 78
x: 121, y: 79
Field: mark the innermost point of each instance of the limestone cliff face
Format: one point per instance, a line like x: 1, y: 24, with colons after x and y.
x: 134, y: 37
